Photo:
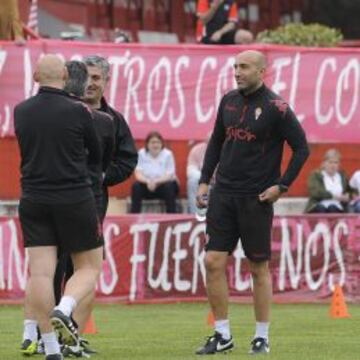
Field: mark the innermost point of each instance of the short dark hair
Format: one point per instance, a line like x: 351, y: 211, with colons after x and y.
x: 153, y: 134
x: 78, y: 77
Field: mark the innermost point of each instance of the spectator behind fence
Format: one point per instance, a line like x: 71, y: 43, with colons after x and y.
x: 217, y: 23
x: 155, y: 175
x: 355, y: 185
x: 193, y: 171
x: 10, y: 23
x: 328, y: 186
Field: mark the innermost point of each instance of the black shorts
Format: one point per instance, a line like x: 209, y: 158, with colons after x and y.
x: 232, y: 217
x: 71, y: 227
x: 227, y: 39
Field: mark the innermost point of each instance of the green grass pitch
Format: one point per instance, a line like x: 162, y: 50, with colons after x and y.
x: 159, y: 332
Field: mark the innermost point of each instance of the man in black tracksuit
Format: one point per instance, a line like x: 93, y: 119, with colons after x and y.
x: 125, y: 155
x: 104, y: 127
x: 57, y: 139
x: 247, y: 146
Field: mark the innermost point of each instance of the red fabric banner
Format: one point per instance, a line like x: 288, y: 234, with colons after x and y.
x: 177, y: 88
x: 156, y: 258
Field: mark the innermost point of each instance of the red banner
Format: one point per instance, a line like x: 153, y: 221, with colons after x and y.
x: 177, y: 88
x: 154, y: 258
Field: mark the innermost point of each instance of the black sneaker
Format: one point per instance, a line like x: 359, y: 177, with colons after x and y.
x: 215, y: 344
x: 259, y: 346
x: 54, y: 357
x: 71, y: 351
x: 84, y: 343
x: 64, y: 327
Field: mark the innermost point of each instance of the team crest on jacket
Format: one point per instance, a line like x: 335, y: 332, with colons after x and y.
x: 258, y: 112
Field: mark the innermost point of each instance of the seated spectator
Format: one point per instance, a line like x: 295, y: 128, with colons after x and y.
x: 355, y: 185
x: 155, y: 175
x: 217, y: 23
x: 193, y: 172
x: 328, y: 187
x: 10, y: 23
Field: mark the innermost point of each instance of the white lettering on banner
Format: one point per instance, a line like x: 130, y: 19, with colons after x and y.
x: 279, y: 85
x: 222, y: 84
x: 198, y: 256
x: 28, y: 74
x: 3, y: 56
x: 202, y: 117
x: 154, y: 83
x: 294, y: 86
x: 286, y: 259
x: 340, y: 228
x: 183, y: 61
x: 343, y: 84
x: 311, y: 249
x: 30, y: 87
x: 133, y: 85
x: 180, y: 254
x: 240, y: 284
x: 5, y: 119
x: 109, y: 276
x: 136, y: 258
x: 305, y: 252
x: 162, y: 279
x: 320, y: 117
x: 116, y: 61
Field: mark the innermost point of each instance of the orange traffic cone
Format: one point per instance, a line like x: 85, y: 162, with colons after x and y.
x: 90, y: 327
x: 210, y: 319
x: 338, y: 307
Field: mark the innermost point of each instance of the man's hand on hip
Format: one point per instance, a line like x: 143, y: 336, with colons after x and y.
x: 271, y: 194
x: 201, y: 196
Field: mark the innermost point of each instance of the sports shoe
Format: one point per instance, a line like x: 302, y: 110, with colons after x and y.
x: 64, y: 327
x: 215, y: 344
x: 40, y: 347
x: 29, y: 347
x: 86, y: 346
x: 73, y: 351
x: 259, y: 346
x: 54, y: 357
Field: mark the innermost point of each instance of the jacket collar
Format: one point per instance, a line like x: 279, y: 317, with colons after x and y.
x: 48, y: 89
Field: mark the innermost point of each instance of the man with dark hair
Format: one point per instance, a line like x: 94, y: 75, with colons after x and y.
x: 125, y: 155
x: 104, y: 126
x: 246, y: 146
x: 57, y: 139
x: 76, y: 85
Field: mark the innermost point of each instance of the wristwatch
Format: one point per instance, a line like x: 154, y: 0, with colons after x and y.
x: 283, y: 188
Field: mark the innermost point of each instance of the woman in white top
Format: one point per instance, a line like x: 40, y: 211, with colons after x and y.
x: 155, y: 175
x: 328, y: 187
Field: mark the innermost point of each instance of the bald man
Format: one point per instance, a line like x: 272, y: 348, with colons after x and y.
x: 57, y: 140
x: 247, y: 146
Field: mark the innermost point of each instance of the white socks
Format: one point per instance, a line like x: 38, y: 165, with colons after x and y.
x: 51, y: 344
x: 30, y: 330
x: 223, y: 327
x: 262, y: 330
x: 66, y: 305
